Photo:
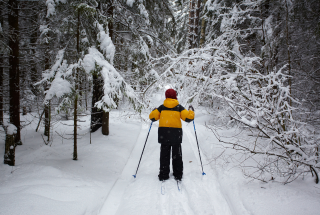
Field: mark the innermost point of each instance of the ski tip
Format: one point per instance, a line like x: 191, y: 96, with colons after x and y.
x: 204, y: 173
x: 134, y: 176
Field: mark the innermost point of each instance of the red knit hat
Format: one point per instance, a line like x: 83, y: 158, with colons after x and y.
x: 171, y: 93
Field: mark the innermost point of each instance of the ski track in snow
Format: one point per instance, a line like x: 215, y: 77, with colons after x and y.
x: 47, y: 181
x: 142, y: 195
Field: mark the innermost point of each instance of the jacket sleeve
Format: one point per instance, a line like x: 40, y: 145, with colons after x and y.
x: 154, y: 115
x: 187, y: 115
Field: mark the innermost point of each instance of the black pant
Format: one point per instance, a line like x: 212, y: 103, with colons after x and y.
x: 177, y: 163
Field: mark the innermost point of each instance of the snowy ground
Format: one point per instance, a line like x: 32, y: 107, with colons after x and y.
x: 47, y: 181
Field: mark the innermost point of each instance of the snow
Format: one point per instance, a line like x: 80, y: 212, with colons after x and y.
x: 56, y: 76
x: 106, y: 44
x: 44, y: 29
x: 114, y: 85
x: 252, y: 123
x: 47, y: 181
x: 51, y: 10
x: 50, y: 73
x: 144, y: 13
x: 153, y: 73
x: 59, y: 87
x: 10, y: 128
x: 130, y: 2
x: 50, y: 7
x: 112, y: 79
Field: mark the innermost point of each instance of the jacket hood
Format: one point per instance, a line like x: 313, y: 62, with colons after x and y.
x: 170, y: 103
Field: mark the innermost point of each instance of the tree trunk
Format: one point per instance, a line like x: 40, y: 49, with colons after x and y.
x: 86, y: 93
x: 288, y: 50
x: 47, y: 108
x: 97, y: 82
x: 194, y: 13
x: 96, y: 115
x: 34, y: 74
x: 1, y: 71
x: 196, y: 22
x: 9, y: 152
x: 39, y: 121
x: 75, y: 112
x: 1, y: 91
x: 75, y: 131
x: 14, y: 82
x: 105, y: 117
x: 191, y: 24
x: 110, y: 17
x: 105, y: 123
x: 203, y: 29
x: 24, y: 112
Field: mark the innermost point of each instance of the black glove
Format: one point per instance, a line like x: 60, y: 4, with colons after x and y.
x: 191, y: 108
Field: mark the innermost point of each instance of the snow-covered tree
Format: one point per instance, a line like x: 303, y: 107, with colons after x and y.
x: 142, y: 29
x: 229, y: 69
x: 94, y: 55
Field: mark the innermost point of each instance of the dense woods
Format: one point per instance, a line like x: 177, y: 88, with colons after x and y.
x: 254, y: 64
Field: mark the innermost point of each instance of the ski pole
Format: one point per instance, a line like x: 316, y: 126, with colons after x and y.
x: 135, y: 175
x: 198, y: 147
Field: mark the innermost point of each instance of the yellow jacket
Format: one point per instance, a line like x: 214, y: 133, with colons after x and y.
x: 169, y: 115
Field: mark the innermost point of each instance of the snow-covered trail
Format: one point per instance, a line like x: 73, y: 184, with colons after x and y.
x: 200, y: 194
x: 47, y: 181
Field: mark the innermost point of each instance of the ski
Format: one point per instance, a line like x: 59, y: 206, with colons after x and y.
x: 179, y: 186
x: 163, y: 188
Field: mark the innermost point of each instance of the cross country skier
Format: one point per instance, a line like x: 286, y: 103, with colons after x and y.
x: 170, y: 133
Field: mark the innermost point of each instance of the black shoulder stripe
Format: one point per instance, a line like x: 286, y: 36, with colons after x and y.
x: 181, y: 108
x: 176, y: 108
x: 160, y: 108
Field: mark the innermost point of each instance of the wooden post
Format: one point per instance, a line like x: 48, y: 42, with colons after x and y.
x: 105, y: 123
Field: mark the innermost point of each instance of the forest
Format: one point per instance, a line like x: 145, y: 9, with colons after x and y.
x: 252, y: 64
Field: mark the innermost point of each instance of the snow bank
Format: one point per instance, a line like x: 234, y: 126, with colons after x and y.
x: 47, y: 181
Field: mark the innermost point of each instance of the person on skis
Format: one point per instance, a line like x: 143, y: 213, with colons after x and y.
x: 170, y: 133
